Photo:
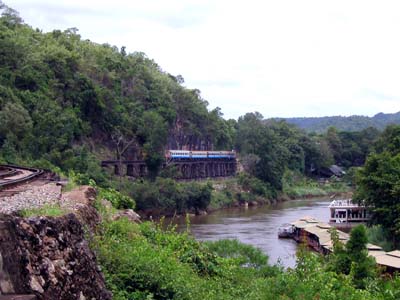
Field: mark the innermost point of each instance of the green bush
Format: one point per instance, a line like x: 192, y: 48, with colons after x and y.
x: 220, y: 199
x: 144, y: 262
x: 169, y: 196
x: 117, y: 199
x: 243, y: 254
x: 256, y: 186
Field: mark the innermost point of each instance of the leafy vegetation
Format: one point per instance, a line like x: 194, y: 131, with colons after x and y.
x: 379, y: 236
x: 296, y: 185
x: 145, y: 262
x: 70, y: 102
x: 270, y: 149
x: 352, y: 259
x: 67, y: 103
x: 167, y: 196
x: 351, y: 123
x: 378, y: 182
x: 49, y: 210
x: 118, y: 200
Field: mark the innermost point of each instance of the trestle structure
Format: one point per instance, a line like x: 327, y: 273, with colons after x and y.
x: 186, y: 169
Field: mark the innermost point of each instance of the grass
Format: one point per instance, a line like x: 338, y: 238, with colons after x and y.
x: 312, y: 190
x: 49, y: 210
x: 305, y: 191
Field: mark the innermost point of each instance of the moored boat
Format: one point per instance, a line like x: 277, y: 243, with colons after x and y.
x: 285, y: 231
x: 345, y: 211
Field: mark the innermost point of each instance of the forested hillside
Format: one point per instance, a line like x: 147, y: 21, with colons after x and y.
x: 67, y: 103
x: 62, y: 97
x: 351, y: 123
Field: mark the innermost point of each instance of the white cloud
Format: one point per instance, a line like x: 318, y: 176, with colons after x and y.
x: 281, y: 58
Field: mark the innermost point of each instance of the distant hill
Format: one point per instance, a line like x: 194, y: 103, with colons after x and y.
x: 351, y: 123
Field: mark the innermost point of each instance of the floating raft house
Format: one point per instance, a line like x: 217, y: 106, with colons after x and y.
x: 317, y: 236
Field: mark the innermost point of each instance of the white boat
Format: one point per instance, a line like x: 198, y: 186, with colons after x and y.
x: 285, y: 231
x: 345, y: 211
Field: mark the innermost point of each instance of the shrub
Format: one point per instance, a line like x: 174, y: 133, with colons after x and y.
x: 243, y: 254
x: 117, y: 199
x: 169, y: 196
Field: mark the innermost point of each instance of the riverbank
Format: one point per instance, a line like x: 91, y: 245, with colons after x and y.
x: 256, y: 225
x: 145, y: 262
x: 168, y: 198
x: 231, y: 193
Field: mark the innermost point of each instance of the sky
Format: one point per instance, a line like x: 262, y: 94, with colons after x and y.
x: 282, y: 58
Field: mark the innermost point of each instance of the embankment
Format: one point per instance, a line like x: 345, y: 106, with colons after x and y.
x: 49, y: 257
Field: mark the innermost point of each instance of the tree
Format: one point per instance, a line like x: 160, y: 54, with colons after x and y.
x: 339, y: 261
x: 154, y: 133
x: 10, y: 16
x: 263, y: 140
x: 334, y: 143
x: 352, y: 258
x: 14, y: 119
x: 378, y: 187
x: 363, y: 266
x: 378, y: 183
x: 122, y: 142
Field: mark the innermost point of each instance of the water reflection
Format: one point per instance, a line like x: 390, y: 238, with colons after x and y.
x: 258, y: 226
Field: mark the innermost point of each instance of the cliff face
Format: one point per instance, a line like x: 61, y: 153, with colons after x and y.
x: 48, y: 257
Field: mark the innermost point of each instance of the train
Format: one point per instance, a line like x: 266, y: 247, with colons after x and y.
x: 185, y: 154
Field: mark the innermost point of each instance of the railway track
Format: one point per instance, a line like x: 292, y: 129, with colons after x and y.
x: 12, y: 176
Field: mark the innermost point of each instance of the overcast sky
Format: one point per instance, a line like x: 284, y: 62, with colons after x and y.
x: 283, y: 58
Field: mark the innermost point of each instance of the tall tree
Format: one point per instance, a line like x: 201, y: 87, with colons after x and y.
x: 378, y: 182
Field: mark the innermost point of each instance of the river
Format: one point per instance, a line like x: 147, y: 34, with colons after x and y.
x: 258, y: 226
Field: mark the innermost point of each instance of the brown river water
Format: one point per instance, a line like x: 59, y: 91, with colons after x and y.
x: 258, y: 226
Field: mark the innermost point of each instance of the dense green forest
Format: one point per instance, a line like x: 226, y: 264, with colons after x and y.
x: 351, y: 123
x: 67, y: 103
x: 63, y: 98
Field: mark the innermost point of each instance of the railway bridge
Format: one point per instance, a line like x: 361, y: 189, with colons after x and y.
x: 189, y: 164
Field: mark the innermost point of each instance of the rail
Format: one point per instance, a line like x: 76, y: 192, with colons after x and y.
x: 13, y: 182
x: 7, y: 173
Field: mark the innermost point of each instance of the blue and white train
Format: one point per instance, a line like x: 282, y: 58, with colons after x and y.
x: 185, y: 154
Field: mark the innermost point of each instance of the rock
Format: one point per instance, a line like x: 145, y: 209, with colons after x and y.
x: 253, y: 203
x: 6, y: 285
x: 35, y: 285
x: 202, y: 213
x: 18, y: 297
x: 106, y: 204
x: 130, y: 214
x: 39, y: 262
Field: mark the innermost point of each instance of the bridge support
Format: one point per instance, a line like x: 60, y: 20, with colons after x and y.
x: 189, y: 169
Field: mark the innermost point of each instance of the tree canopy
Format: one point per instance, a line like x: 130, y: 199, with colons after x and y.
x: 378, y: 182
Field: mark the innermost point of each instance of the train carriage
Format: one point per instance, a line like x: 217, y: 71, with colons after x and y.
x: 186, y: 154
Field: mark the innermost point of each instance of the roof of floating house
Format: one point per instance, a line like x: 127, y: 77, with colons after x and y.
x: 321, y: 230
x: 309, y: 222
x: 390, y: 259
